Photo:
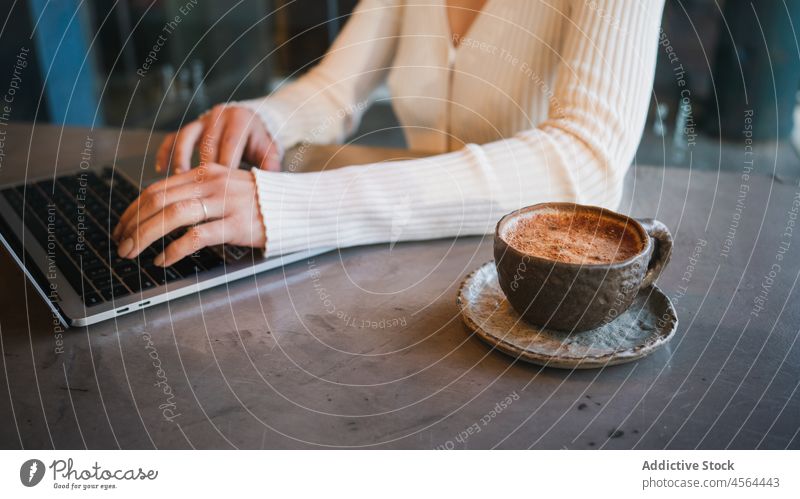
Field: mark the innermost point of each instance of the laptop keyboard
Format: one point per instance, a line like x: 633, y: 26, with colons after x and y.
x: 72, y: 218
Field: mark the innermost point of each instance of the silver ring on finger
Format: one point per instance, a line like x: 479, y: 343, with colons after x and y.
x: 205, y: 210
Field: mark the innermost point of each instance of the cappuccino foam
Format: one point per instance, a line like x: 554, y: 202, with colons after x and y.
x: 581, y: 238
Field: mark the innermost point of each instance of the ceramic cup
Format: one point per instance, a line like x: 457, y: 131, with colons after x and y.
x: 578, y: 297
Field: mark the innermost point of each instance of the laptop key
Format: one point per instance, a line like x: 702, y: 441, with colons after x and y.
x: 187, y: 268
x: 149, y: 253
x: 86, y: 259
x: 106, y: 253
x: 91, y: 299
x: 115, y: 292
x: 208, y: 259
x: 62, y: 230
x: 102, y: 248
x: 96, y: 272
x: 118, y: 204
x: 235, y: 252
x: 95, y: 235
x: 113, y: 258
x: 123, y: 186
x: 138, y: 282
x: 103, y: 281
x: 126, y: 268
x: 162, y: 275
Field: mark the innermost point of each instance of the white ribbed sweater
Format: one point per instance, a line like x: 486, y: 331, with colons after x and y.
x: 554, y: 91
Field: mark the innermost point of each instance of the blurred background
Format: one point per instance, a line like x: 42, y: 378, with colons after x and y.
x: 158, y: 63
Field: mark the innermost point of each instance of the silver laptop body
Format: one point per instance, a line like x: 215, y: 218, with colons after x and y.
x: 34, y: 255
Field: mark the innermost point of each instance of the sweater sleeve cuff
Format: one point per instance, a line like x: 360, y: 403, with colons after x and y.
x: 296, y: 211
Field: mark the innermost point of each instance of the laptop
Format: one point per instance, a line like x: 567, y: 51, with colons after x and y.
x: 57, y: 230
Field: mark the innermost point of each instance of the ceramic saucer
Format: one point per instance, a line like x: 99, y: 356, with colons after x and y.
x: 648, y: 324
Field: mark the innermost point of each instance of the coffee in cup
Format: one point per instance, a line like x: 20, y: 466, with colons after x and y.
x: 572, y: 267
x: 578, y: 237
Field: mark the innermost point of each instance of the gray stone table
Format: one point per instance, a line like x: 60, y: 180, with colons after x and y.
x: 365, y: 347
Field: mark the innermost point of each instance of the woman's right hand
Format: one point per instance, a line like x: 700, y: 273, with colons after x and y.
x: 225, y: 135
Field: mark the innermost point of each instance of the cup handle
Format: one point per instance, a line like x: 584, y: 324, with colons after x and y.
x: 662, y: 249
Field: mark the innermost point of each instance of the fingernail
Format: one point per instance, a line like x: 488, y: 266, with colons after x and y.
x: 159, y: 260
x: 125, y: 248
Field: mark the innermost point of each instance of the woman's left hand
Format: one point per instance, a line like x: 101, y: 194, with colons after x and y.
x: 220, y: 204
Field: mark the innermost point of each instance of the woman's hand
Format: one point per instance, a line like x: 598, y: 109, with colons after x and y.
x: 224, y: 135
x: 220, y: 204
